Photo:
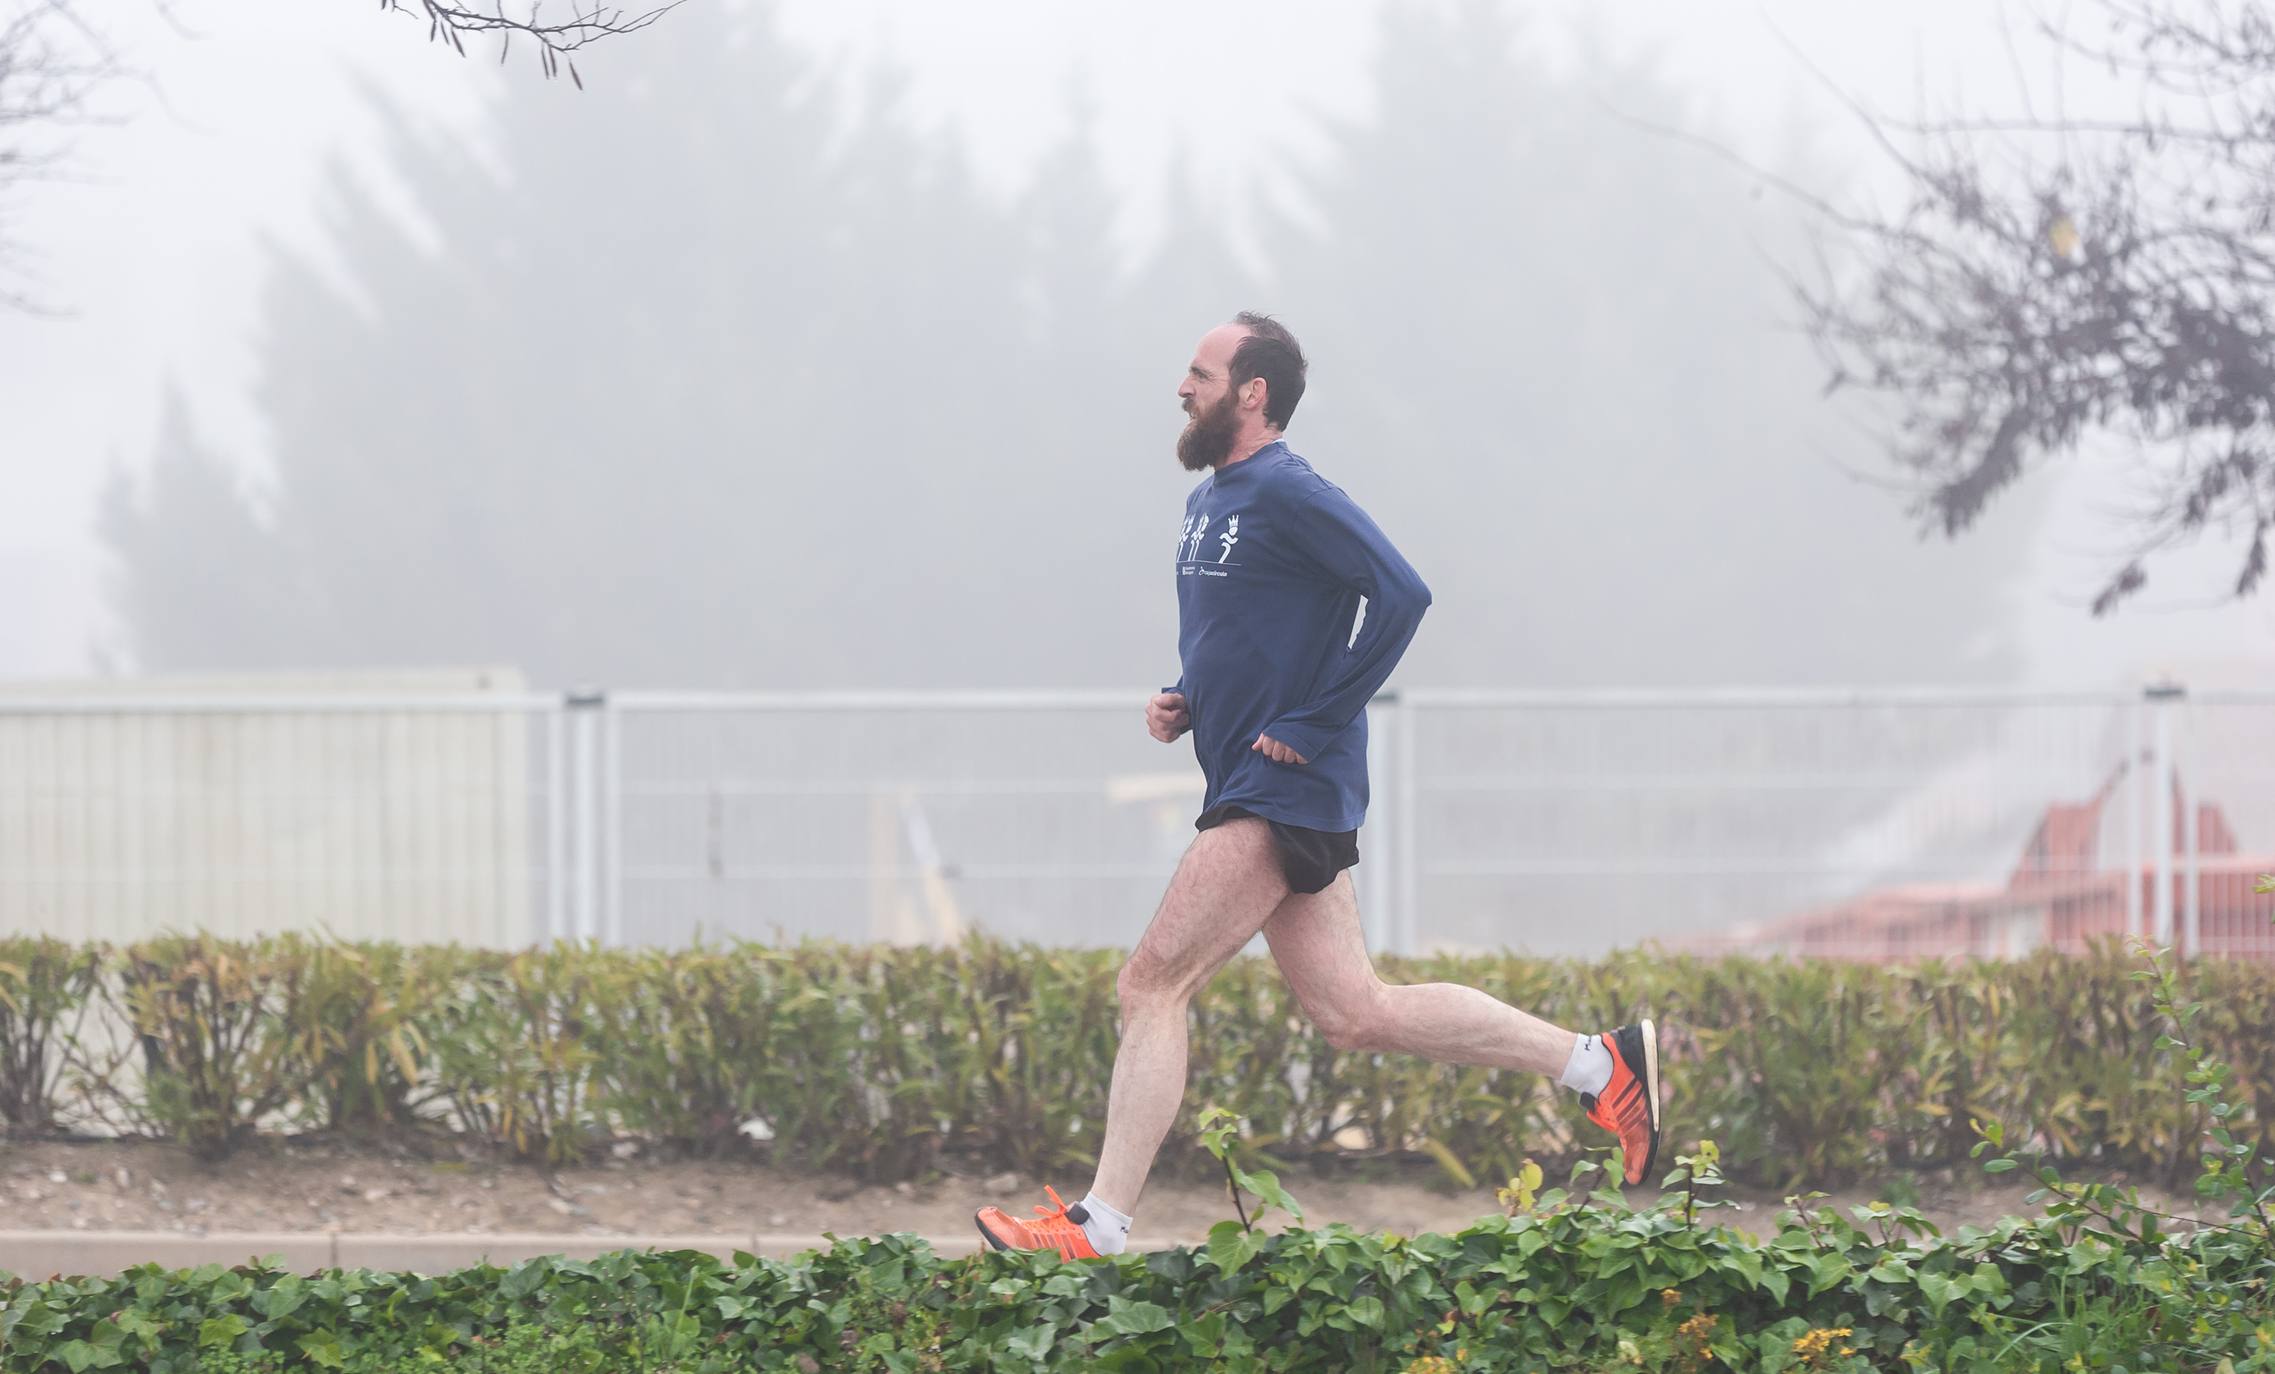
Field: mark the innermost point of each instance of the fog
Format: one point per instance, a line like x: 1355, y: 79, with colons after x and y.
x: 834, y: 346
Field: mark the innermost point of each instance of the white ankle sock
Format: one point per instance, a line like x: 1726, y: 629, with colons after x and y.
x: 1109, y: 1230
x: 1589, y: 1070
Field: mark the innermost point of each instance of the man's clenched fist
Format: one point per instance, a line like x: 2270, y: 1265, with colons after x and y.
x: 1275, y: 751
x: 1166, y: 718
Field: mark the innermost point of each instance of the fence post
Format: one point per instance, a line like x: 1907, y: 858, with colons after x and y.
x: 556, y: 824
x: 584, y: 708
x: 1378, y: 912
x: 2161, y: 697
x: 1407, y: 871
x: 612, y: 823
x: 2136, y: 778
x: 2191, y: 812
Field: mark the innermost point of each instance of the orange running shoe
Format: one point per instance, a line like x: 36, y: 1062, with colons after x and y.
x: 1059, y: 1229
x: 1629, y: 1104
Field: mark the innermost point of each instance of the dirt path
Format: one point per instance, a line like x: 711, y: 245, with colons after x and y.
x: 314, y: 1186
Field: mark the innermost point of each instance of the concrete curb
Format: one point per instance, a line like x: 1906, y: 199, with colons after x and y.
x: 34, y: 1255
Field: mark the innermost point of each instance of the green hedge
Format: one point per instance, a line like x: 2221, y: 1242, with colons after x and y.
x: 1556, y: 1286
x: 884, y: 1062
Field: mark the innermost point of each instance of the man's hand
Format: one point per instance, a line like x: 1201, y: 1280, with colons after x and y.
x: 1166, y: 717
x: 1275, y: 751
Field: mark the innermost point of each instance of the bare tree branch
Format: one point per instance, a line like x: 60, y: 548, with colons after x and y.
x: 53, y: 60
x: 556, y: 37
x: 2053, y: 279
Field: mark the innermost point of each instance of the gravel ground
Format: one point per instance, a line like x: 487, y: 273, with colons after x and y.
x: 317, y: 1185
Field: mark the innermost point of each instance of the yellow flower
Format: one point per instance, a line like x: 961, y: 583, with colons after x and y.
x: 1813, y: 1344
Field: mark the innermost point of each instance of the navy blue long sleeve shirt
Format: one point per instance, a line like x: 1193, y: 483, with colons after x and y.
x: 1272, y: 561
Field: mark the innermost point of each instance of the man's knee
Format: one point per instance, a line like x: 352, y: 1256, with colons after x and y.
x: 1353, y: 1024
x: 1146, y: 984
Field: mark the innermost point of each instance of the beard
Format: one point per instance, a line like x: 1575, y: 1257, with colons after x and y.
x: 1207, y: 439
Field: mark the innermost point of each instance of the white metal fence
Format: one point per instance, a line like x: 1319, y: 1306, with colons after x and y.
x: 1861, y: 824
x: 417, y: 818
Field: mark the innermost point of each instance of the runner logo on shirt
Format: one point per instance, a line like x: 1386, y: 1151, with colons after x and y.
x: 1191, y: 548
x: 1194, y: 533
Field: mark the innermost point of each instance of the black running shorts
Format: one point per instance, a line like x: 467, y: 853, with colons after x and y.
x: 1309, y: 858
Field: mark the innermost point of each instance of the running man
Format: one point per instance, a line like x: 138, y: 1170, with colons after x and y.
x: 1272, y: 560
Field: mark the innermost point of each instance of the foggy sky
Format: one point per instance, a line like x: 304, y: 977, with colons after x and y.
x: 158, y: 256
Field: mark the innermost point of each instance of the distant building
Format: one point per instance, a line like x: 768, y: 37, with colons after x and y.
x: 2067, y: 890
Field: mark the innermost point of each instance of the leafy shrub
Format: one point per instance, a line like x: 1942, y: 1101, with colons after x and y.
x: 1563, y: 1283
x: 1559, y: 1280
x: 225, y: 1036
x: 885, y: 1062
x: 46, y: 990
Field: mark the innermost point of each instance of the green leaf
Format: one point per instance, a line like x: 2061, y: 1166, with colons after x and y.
x: 1032, y: 1343
x: 1173, y: 1266
x: 1266, y: 1186
x: 1828, y: 1271
x: 1748, y: 1263
x: 1941, y: 1291
x: 281, y: 1301
x: 1890, y: 1270
x: 1777, y: 1283
x: 1126, y: 1318
x: 523, y: 1279
x: 1230, y: 1246
x: 77, y: 1355
x: 323, y: 1348
x: 1205, y: 1337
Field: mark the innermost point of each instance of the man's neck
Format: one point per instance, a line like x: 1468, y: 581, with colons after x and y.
x: 1250, y: 447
